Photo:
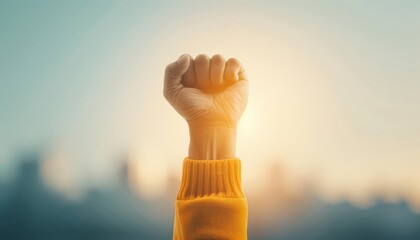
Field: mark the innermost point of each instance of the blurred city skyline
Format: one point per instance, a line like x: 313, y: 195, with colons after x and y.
x: 288, y: 189
x: 30, y: 208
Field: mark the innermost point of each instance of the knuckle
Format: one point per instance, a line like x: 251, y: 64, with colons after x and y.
x: 233, y: 61
x: 202, y: 57
x: 168, y: 67
x: 217, y: 58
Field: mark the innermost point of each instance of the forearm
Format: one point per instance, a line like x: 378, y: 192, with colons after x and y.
x: 210, y: 202
x: 212, y: 143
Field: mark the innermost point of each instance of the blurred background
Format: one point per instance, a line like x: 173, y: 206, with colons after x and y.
x: 329, y: 143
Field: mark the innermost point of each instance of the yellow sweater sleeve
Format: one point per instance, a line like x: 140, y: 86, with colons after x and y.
x: 210, y: 202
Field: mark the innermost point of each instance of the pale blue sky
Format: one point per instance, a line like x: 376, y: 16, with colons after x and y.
x: 334, y: 84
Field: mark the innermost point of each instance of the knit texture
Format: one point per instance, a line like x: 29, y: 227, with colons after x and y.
x: 211, y: 178
x: 210, y: 202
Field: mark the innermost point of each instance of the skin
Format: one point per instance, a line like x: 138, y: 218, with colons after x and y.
x: 211, y: 95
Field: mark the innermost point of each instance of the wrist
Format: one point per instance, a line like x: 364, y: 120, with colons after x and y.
x: 212, y: 142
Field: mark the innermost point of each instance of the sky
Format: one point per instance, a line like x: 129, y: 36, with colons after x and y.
x: 334, y: 88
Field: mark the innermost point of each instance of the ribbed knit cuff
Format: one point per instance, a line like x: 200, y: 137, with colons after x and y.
x: 205, y: 178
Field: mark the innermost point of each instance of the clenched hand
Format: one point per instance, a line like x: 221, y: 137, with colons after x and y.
x: 211, y: 94
x: 207, y: 92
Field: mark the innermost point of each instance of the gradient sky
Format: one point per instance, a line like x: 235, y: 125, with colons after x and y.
x: 334, y: 85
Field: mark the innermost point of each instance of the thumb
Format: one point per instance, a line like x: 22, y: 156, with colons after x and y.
x: 238, y: 92
x: 173, y: 75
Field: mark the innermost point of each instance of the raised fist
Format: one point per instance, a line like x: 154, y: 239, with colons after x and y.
x: 207, y: 92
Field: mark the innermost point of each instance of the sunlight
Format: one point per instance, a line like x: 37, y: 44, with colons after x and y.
x: 147, y: 175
